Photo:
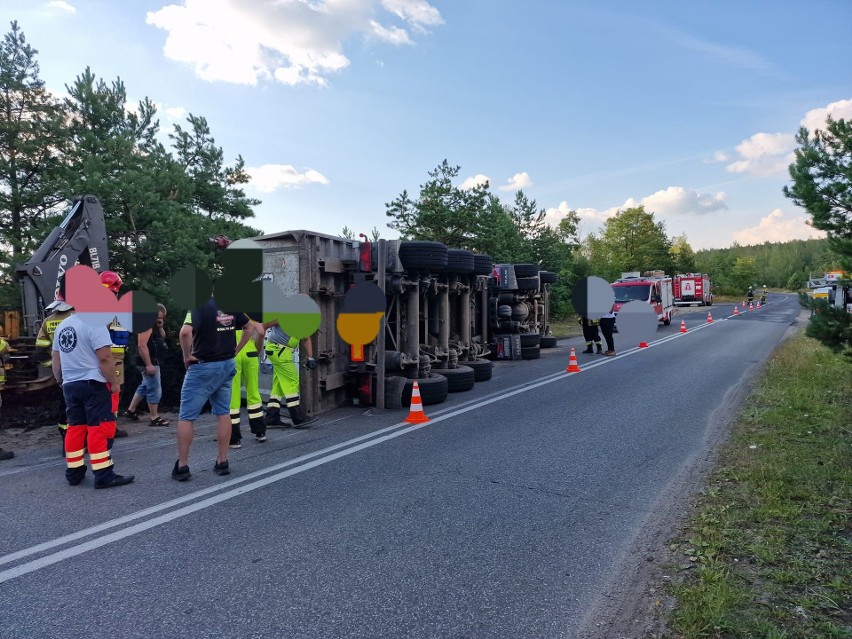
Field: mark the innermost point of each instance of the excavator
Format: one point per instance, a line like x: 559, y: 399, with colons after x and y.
x: 81, y: 238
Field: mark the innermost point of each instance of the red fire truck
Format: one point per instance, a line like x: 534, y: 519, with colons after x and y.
x: 693, y: 289
x: 653, y: 287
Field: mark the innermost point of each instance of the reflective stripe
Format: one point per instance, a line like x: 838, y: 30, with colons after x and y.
x: 62, y: 426
x: 76, y: 453
x: 74, y: 463
x: 101, y: 465
x: 292, y: 400
x: 103, y: 455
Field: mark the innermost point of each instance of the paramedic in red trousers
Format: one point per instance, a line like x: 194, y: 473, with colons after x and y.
x: 209, y: 345
x: 83, y: 364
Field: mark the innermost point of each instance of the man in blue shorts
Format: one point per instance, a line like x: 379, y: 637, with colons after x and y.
x: 209, y: 344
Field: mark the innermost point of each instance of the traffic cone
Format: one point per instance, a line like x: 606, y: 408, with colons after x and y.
x: 758, y: 305
x: 643, y: 344
x: 736, y: 311
x: 683, y: 326
x: 573, y: 366
x: 750, y: 306
x: 743, y: 303
x: 709, y: 318
x: 416, y: 414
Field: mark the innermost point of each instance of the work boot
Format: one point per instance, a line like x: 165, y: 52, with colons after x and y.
x: 300, y: 417
x: 236, y: 437
x: 600, y: 350
x: 7, y: 454
x: 588, y: 348
x: 272, y: 416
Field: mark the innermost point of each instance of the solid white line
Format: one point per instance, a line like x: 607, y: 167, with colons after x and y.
x: 374, y: 438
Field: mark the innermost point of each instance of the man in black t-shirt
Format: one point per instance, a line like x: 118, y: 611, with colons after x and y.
x: 208, y: 340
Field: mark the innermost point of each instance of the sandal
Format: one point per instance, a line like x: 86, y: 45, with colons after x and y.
x: 134, y: 415
x: 159, y: 421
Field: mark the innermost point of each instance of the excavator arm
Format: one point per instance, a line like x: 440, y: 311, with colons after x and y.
x: 81, y: 238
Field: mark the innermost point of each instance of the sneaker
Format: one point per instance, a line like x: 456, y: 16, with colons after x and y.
x: 221, y: 468
x: 305, y: 424
x: 610, y: 353
x: 235, y: 444
x: 588, y: 350
x: 180, y: 474
x: 115, y: 480
x: 260, y: 437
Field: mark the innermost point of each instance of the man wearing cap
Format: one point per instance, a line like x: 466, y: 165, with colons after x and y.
x: 59, y: 309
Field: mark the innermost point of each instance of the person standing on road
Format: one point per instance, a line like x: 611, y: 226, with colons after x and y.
x: 281, y: 353
x: 150, y: 346
x: 208, y: 341
x: 83, y: 364
x: 248, y: 374
x: 59, y: 309
x: 120, y: 338
x: 591, y: 334
x: 607, y: 327
x: 4, y: 352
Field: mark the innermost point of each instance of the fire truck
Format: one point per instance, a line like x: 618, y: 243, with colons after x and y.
x: 692, y: 289
x: 653, y: 287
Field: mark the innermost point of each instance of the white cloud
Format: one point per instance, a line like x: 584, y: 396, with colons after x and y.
x: 815, y: 118
x: 271, y: 177
x: 764, y: 154
x: 293, y: 42
x: 778, y: 227
x: 173, y: 114
x: 476, y: 180
x: 517, y: 181
x: 676, y: 200
x: 62, y: 6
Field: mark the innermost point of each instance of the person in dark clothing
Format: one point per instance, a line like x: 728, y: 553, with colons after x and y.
x: 607, y: 326
x: 208, y: 341
x: 591, y: 334
x: 151, y: 344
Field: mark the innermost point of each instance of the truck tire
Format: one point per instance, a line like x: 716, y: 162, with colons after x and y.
x: 529, y: 283
x: 510, y: 326
x: 423, y: 255
x: 526, y: 270
x: 530, y: 339
x: 433, y: 390
x: 459, y: 379
x: 483, y: 264
x: 460, y: 261
x: 482, y: 369
x: 506, y: 298
x: 548, y: 341
x: 547, y: 277
x: 520, y: 312
x: 531, y: 352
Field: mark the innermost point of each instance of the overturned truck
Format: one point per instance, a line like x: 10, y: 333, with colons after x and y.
x: 449, y: 313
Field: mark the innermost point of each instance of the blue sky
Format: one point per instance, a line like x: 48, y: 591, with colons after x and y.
x: 689, y: 108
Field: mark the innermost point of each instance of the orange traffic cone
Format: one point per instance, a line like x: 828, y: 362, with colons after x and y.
x: 750, y: 306
x: 743, y: 303
x: 643, y: 344
x: 758, y: 305
x: 709, y: 318
x: 573, y: 366
x: 416, y: 414
x: 683, y: 326
x: 736, y: 311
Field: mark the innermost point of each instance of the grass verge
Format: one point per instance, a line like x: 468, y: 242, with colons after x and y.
x: 767, y: 551
x: 566, y: 328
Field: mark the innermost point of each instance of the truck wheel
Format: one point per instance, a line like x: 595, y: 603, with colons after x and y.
x: 483, y: 264
x: 459, y: 379
x: 530, y: 339
x: 460, y: 261
x: 526, y: 270
x: 482, y: 369
x: 547, y: 277
x: 548, y: 341
x: 433, y: 390
x: 531, y: 352
x: 423, y: 255
x: 528, y: 283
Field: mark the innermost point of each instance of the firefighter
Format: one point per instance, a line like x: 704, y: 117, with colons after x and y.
x: 763, y: 295
x: 750, y: 294
x: 4, y: 352
x: 281, y: 352
x: 120, y: 338
x: 248, y: 374
x: 59, y: 309
x: 591, y: 334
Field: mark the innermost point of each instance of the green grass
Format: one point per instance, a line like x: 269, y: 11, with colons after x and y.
x: 770, y: 540
x: 566, y: 328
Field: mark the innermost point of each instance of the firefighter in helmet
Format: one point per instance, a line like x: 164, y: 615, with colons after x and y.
x: 59, y: 309
x: 120, y: 338
x: 763, y: 295
x: 750, y: 294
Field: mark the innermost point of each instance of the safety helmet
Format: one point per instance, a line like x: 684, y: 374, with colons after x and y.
x: 111, y: 280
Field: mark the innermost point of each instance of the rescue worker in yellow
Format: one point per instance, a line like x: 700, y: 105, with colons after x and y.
x: 248, y: 374
x: 281, y: 352
x: 59, y: 309
x: 120, y: 338
x: 4, y: 353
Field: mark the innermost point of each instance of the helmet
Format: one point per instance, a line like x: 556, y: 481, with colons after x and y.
x: 111, y: 280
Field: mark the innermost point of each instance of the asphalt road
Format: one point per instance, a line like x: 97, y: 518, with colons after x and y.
x: 504, y: 516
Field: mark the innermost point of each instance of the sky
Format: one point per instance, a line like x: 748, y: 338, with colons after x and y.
x: 337, y: 106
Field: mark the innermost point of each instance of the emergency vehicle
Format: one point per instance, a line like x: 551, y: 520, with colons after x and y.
x: 692, y: 289
x: 653, y: 287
